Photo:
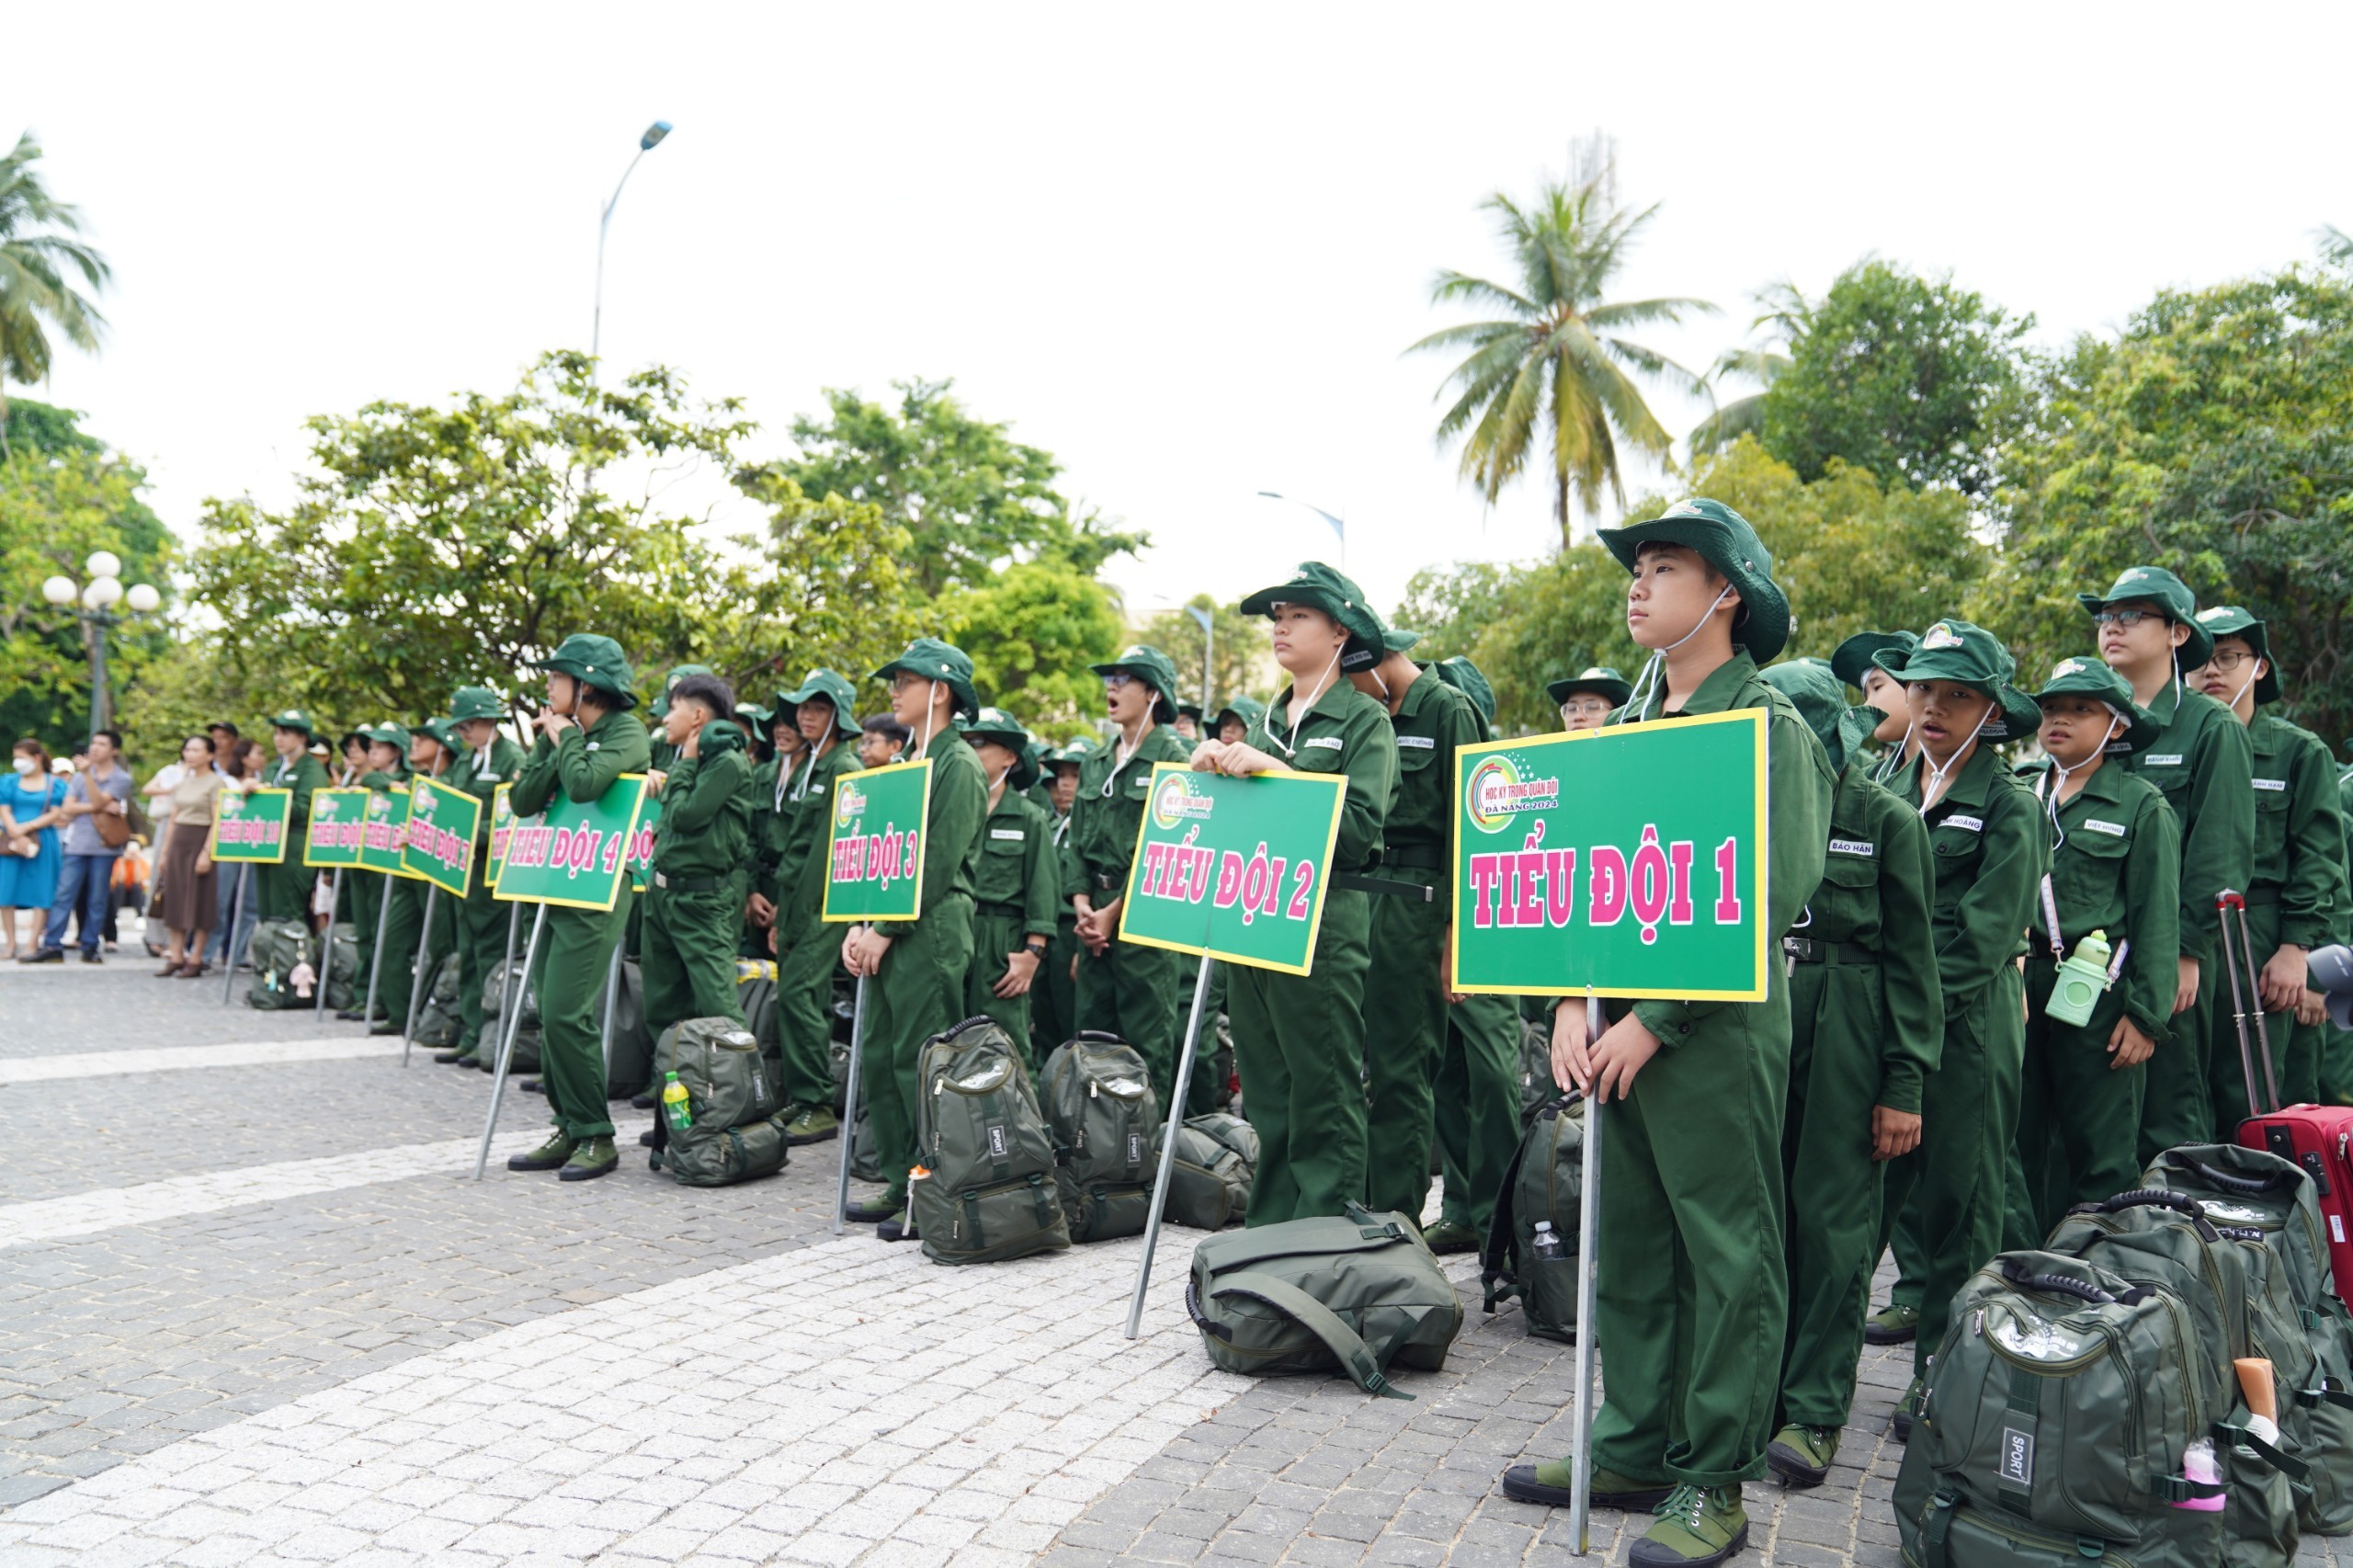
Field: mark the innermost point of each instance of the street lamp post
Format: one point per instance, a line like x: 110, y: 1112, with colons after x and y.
x: 1339, y: 525
x: 96, y: 611
x: 646, y: 143
x: 1209, y: 658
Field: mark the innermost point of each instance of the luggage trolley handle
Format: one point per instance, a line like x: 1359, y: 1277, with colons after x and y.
x: 2247, y: 997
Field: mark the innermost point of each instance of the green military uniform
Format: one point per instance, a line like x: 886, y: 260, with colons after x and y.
x: 442, y: 908
x: 283, y: 892
x: 2203, y: 763
x: 576, y: 945
x: 2291, y: 892
x: 1988, y: 836
x: 919, y: 988
x: 1128, y: 990
x: 1404, y: 995
x: 1015, y: 886
x: 2116, y: 868
x: 1299, y: 1040
x: 1601, y: 680
x: 1866, y: 1027
x: 1053, y: 996
x: 768, y: 803
x: 396, y: 909
x: 809, y: 951
x: 694, y: 899
x: 483, y: 921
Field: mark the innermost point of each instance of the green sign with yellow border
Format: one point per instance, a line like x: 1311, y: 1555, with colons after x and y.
x: 1234, y: 868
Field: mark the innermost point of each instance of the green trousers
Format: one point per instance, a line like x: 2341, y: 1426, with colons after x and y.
x: 995, y: 938
x: 1299, y: 1048
x: 2295, y: 1052
x: 1477, y: 1110
x: 2079, y: 1118
x: 575, y: 949
x: 483, y: 925
x: 1200, y: 1099
x: 918, y: 992
x: 1131, y: 992
x: 1958, y: 1175
x: 687, y: 956
x: 1833, y: 1185
x: 804, y: 1020
x: 283, y: 892
x: 2176, y: 1106
x: 1694, y: 1305
x: 1053, y: 996
x: 1405, y: 1040
x: 365, y: 892
x: 402, y: 919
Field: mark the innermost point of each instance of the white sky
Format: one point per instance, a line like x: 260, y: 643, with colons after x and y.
x: 1181, y: 248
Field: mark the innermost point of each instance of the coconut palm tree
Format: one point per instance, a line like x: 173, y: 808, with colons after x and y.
x: 38, y: 259
x: 1788, y: 317
x: 1551, y: 367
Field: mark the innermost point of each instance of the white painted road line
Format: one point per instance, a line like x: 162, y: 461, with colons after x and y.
x: 173, y: 1058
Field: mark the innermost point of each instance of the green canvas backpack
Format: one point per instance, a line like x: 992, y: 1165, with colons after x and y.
x: 275, y: 949
x: 437, y: 1016
x: 1354, y: 1293
x: 1106, y: 1123
x: 1544, y: 1186
x: 630, y: 1068
x: 863, y: 1164
x: 984, y: 1191
x: 734, y: 1101
x: 1537, y: 1088
x: 1208, y: 1181
x: 527, y: 1028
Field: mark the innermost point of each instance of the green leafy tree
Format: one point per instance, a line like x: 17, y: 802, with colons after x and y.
x: 1243, y: 652
x: 1032, y: 631
x: 1785, y: 317
x: 971, y: 497
x: 1911, y: 378
x: 832, y: 587
x: 1550, y: 377
x: 40, y: 259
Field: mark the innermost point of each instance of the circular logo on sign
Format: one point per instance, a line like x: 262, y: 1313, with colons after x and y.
x: 1168, y: 801
x: 1486, y: 794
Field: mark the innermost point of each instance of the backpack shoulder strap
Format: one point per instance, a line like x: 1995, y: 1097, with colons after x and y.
x: 1494, y: 1259
x: 1356, y: 1357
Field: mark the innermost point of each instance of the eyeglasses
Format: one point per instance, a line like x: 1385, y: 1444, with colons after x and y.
x: 2126, y: 617
x: 1583, y: 706
x: 1118, y: 680
x: 2231, y: 661
x: 903, y: 680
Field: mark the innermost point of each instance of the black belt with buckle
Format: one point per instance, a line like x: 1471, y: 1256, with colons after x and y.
x: 1354, y: 881
x: 687, y: 884
x: 1002, y: 910
x: 1806, y: 949
x: 1414, y: 857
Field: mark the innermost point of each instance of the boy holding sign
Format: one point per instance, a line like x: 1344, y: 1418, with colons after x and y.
x: 489, y: 761
x: 1692, y: 1232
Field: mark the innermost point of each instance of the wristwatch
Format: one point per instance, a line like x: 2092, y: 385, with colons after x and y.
x: 1035, y: 947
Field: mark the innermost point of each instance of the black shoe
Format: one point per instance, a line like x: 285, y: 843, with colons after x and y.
x: 91, y: 958
x: 645, y: 1101
x: 349, y: 1014
x: 898, y: 1227
x: 645, y: 1139
x: 533, y: 1086
x: 387, y: 1027
x: 454, y: 1058
x: 44, y: 955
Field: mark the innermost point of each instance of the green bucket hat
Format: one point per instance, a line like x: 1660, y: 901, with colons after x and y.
x: 387, y: 733
x: 2170, y: 593
x: 1820, y: 697
x: 1469, y: 679
x: 1150, y: 665
x: 670, y: 684
x: 1853, y: 657
x: 1316, y: 585
x: 756, y: 718
x: 2229, y: 621
x: 1599, y: 679
x: 469, y: 702
x: 1969, y: 655
x: 1190, y: 710
x: 1249, y: 709
x: 439, y: 729
x: 930, y: 659
x: 293, y: 719
x: 1722, y: 538
x: 835, y: 688
x: 594, y: 661
x: 996, y: 724
x: 1362, y: 654
x: 2093, y: 679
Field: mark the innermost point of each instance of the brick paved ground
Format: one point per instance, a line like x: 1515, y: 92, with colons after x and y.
x: 254, y: 1312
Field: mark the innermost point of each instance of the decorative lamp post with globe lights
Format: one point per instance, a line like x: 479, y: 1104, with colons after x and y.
x: 96, y: 599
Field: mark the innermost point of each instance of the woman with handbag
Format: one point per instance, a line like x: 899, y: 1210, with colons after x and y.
x: 30, y: 799
x: 188, y: 903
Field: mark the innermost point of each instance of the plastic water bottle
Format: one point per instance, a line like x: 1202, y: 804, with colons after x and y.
x: 673, y: 1102
x: 2080, y: 981
x: 1545, y: 1243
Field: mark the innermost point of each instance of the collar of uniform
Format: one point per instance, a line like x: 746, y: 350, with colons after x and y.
x: 608, y: 716
x: 1416, y: 696
x: 1973, y: 785
x: 2269, y: 734
x: 2107, y: 783
x: 1329, y: 703
x: 1715, y: 694
x: 941, y: 739
x: 2167, y: 704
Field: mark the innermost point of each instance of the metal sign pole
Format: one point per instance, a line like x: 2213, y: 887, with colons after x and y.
x: 1588, y: 1246
x: 513, y: 985
x: 1168, y: 1142
x: 506, y: 988
x: 612, y: 1001
x: 228, y: 947
x: 418, y: 980
x: 849, y: 1105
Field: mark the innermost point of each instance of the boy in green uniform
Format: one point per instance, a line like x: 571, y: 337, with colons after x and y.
x: 693, y: 898
x: 487, y: 761
x: 1299, y: 1040
x: 2203, y: 763
x: 283, y: 892
x: 2292, y: 888
x: 1124, y: 989
x: 1991, y: 851
x: 918, y: 965
x: 806, y: 951
x: 1866, y: 1026
x: 588, y: 739
x: 1233, y: 719
x: 404, y: 911
x: 1016, y: 887
x: 767, y: 797
x: 1587, y: 699
x: 2114, y: 868
x: 385, y: 769
x: 1411, y: 971
x: 1694, y: 1310
x: 1053, y: 996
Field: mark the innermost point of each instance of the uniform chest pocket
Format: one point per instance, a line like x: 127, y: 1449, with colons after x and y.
x: 1004, y: 844
x: 2270, y: 797
x: 1414, y: 753
x: 1325, y: 759
x: 1957, y: 849
x: 1842, y: 868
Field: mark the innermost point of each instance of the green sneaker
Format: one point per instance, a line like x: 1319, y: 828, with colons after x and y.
x: 1446, y: 1237
x: 1907, y: 1410
x: 1893, y: 1324
x: 1801, y: 1455
x: 592, y: 1158
x: 1697, y: 1526
x: 1549, y: 1485
x: 815, y: 1124
x: 546, y: 1157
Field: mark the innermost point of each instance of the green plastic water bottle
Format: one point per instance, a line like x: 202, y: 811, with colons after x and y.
x: 674, y: 1104
x: 2081, y: 981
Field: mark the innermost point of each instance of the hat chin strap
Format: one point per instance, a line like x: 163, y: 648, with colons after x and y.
x: 1932, y: 790
x: 1653, y: 674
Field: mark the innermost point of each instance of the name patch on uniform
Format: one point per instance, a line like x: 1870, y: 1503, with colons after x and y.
x: 1862, y: 847
x: 1013, y: 834
x: 1974, y: 825
x: 2271, y: 783
x: 1328, y: 743
x: 486, y: 778
x: 1419, y: 743
x: 2113, y: 829
x: 594, y: 744
x: 2169, y: 759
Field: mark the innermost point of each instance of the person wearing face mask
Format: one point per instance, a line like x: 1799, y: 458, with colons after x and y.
x: 918, y: 965
x: 1992, y: 850
x: 1587, y: 699
x: 1695, y: 1306
x: 1122, y: 988
x: 487, y: 759
x: 2204, y: 764
x: 1017, y: 886
x: 1299, y: 1040
x: 2114, y: 868
x: 694, y: 892
x: 807, y: 950
x: 2293, y: 889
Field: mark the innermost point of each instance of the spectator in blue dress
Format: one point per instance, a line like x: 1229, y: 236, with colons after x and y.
x: 32, y: 806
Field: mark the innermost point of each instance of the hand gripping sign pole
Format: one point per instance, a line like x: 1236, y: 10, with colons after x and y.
x: 421, y: 982
x: 849, y: 1106
x: 513, y: 1010
x: 1588, y: 1246
x: 1168, y: 1144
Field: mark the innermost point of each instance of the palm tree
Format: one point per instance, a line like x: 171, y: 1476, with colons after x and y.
x: 1554, y: 360
x: 2336, y: 244
x: 1788, y: 316
x: 36, y: 259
